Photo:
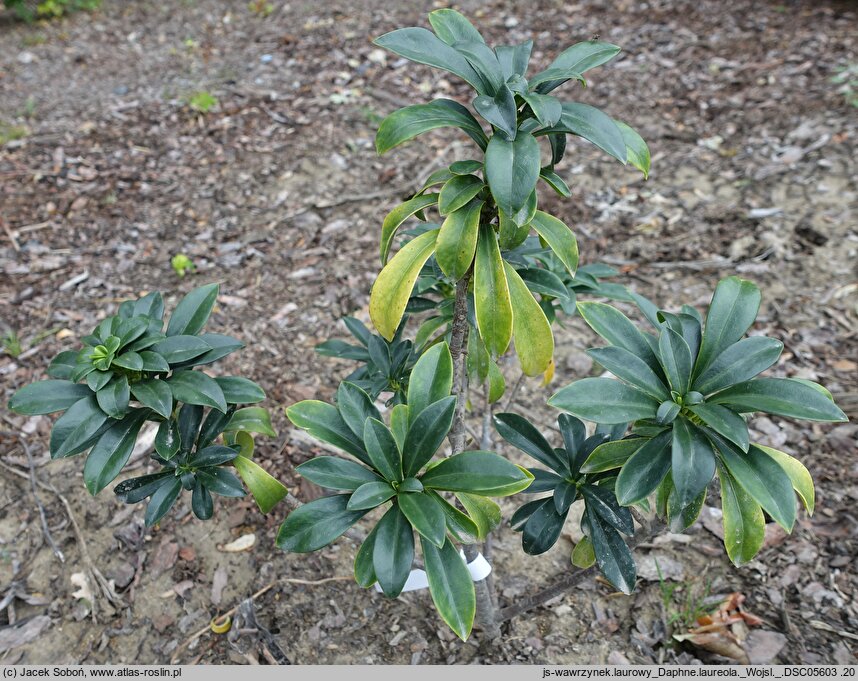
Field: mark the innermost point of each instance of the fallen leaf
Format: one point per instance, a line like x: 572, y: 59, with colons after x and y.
x: 22, y: 632
x: 84, y: 591
x: 244, y: 543
x: 218, y: 584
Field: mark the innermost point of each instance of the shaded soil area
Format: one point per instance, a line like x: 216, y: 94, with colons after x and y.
x: 277, y: 193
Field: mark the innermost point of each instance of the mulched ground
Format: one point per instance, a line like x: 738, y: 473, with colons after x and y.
x: 278, y: 194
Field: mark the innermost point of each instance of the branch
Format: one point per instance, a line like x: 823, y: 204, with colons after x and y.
x: 459, y: 353
x: 570, y: 580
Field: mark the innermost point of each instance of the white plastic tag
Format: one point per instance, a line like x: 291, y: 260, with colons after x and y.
x: 479, y: 568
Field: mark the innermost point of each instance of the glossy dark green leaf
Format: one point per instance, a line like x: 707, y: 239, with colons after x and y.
x: 514, y: 58
x: 136, y: 489
x: 457, y: 240
x: 483, y: 473
x: 611, y: 455
x: 323, y: 421
x: 238, y: 390
x: 423, y: 47
x: 739, y: 362
x: 687, y: 326
x: 450, y: 586
x: 574, y: 433
x: 129, y: 360
x: 680, y: 517
x: 644, y: 470
x: 485, y: 63
x: 316, y: 524
x: 426, y: 434
x: 459, y: 524
x: 178, y: 349
x: 457, y: 192
x: 581, y: 57
x: 780, y: 396
x: 363, y: 568
x: 153, y: 362
x: 128, y: 330
x: 499, y: 110
x: 150, y: 305
x: 593, y: 125
x: 96, y: 380
x: 46, y: 397
x: 77, y: 429
x: 425, y: 515
x: 613, y: 557
x: 195, y: 387
x: 631, y: 369
x: 676, y: 360
x: 111, y: 452
x: 431, y: 379
x: 221, y: 481
x: 523, y: 513
x: 557, y: 142
x: 667, y: 412
x: 617, y: 329
x: 557, y: 183
x: 604, y: 400
x: 192, y: 311
x: 733, y: 309
x: 761, y: 477
x: 62, y: 366
x: 559, y: 237
x: 601, y: 500
x: 393, y: 552
x: 252, y: 420
x: 452, y: 27
x: 543, y: 281
x: 520, y: 433
x: 543, y: 481
x: 511, y: 235
x: 370, y: 494
x: 564, y: 495
x: 744, y: 523
x: 220, y: 345
x: 546, y: 108
x: 113, y: 398
x: 213, y: 455
x: 542, y: 528
x: 383, y: 450
x: 512, y: 170
x: 335, y: 473
x: 355, y: 407
x: 399, y: 215
x: 155, y: 394
x: 162, y: 500
x: 202, y: 503
x: 406, y: 123
x: 724, y: 422
x: 189, y: 419
x: 692, y: 462
x: 492, y: 305
x: 167, y: 440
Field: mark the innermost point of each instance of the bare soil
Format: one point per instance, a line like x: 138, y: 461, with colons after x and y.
x: 278, y: 194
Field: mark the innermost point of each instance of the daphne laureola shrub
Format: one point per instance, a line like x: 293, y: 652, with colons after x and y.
x: 491, y: 272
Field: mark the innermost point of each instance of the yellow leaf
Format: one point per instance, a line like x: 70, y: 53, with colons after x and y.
x: 534, y: 342
x: 392, y: 288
